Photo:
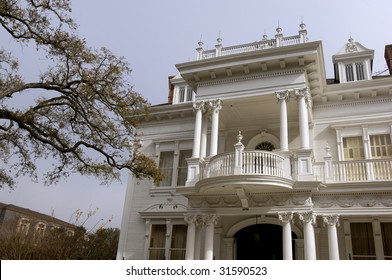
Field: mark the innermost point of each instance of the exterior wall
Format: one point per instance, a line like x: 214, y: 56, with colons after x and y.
x: 247, y: 88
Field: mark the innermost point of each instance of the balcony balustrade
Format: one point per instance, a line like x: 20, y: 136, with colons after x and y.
x: 249, y: 163
x: 354, y: 171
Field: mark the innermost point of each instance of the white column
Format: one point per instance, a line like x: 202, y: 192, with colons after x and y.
x: 333, y: 248
x: 190, y: 237
x: 303, y: 98
x: 308, y: 219
x: 203, y: 143
x: 198, y: 107
x: 198, y: 241
x: 215, y: 108
x: 208, y: 222
x: 282, y: 97
x: 169, y: 230
x: 286, y: 219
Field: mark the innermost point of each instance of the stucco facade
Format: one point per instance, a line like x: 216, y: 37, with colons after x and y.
x: 266, y: 158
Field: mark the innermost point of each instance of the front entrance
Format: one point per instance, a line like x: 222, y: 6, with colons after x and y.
x: 260, y: 242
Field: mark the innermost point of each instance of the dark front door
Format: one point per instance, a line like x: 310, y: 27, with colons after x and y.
x: 260, y: 242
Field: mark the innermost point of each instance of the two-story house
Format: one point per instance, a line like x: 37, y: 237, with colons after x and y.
x: 266, y: 158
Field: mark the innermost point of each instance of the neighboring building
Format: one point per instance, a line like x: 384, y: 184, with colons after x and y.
x: 266, y: 158
x: 30, y: 224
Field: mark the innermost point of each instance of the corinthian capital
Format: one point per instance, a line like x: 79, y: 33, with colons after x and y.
x: 307, y: 217
x: 286, y: 217
x: 331, y: 220
x: 199, y: 105
x: 190, y: 218
x: 304, y: 93
x: 207, y: 220
x: 282, y: 96
x: 215, y: 105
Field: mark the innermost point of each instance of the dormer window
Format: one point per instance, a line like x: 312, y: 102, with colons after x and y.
x: 353, y: 63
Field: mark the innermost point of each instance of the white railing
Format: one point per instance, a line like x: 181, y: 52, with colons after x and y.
x: 355, y: 171
x: 253, y: 163
x: 255, y: 46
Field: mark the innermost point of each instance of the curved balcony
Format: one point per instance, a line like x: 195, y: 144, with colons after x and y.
x: 253, y: 163
x: 245, y: 168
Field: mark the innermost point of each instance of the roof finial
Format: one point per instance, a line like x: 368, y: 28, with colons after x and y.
x: 200, y: 43
x: 278, y: 29
x: 302, y: 25
x: 265, y: 37
x: 219, y: 39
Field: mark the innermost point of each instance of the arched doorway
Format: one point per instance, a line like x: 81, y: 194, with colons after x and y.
x: 260, y: 242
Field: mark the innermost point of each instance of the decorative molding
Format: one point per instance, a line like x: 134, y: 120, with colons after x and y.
x: 351, y: 103
x: 251, y: 77
x: 358, y: 200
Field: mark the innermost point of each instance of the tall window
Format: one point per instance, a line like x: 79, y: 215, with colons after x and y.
x: 353, y: 148
x: 175, y: 250
x: 386, y: 232
x: 183, y: 167
x: 362, y: 241
x: 178, y: 242
x: 166, y: 161
x: 157, y: 242
x: 174, y: 167
x: 381, y: 146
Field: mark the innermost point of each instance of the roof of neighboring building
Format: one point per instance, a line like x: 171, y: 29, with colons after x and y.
x: 35, y: 214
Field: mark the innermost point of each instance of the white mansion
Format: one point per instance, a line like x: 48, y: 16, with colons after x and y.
x: 266, y: 158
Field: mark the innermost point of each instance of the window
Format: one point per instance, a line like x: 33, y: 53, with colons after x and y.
x: 183, y: 167
x: 159, y: 248
x: 23, y: 226
x: 386, y: 232
x: 157, y: 242
x: 380, y: 146
x: 355, y: 71
x: 353, y: 148
x: 349, y: 73
x: 39, y: 231
x: 185, y: 94
x: 362, y: 241
x: 166, y: 161
x: 178, y: 242
x: 174, y: 166
x: 360, y: 71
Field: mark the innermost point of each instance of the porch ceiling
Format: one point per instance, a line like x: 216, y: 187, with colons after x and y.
x: 255, y: 112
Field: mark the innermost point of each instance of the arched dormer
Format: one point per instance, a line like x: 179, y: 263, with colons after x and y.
x: 353, y: 63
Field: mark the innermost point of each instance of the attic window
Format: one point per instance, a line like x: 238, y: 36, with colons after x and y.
x: 185, y: 94
x: 354, y: 72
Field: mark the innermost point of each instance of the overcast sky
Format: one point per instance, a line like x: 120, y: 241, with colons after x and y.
x: 154, y: 35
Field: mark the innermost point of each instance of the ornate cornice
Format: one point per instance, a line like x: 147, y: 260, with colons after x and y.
x: 251, y: 77
x: 351, y: 103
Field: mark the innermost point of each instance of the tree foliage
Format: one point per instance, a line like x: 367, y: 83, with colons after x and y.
x: 58, y: 244
x: 84, y: 112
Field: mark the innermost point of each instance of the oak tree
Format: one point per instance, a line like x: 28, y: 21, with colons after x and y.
x: 84, y: 112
